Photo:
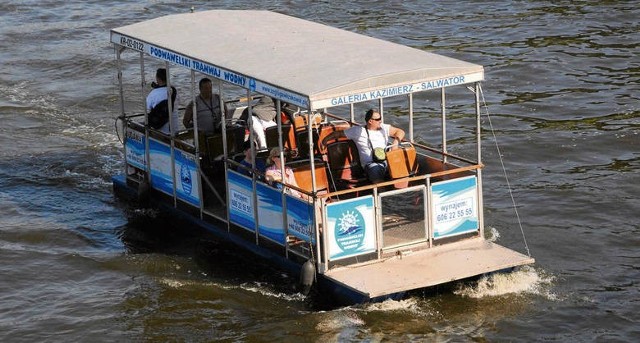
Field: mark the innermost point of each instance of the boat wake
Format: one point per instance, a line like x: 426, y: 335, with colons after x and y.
x: 409, y: 304
x: 339, y: 321
x: 260, y: 288
x: 525, y: 280
x: 263, y: 289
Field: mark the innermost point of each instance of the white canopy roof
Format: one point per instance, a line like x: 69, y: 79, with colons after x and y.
x: 298, y: 61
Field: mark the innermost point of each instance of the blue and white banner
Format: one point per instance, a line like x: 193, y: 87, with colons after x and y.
x: 300, y: 219
x: 270, y: 219
x: 241, y: 200
x: 351, y: 229
x: 454, y: 207
x: 160, y: 161
x: 187, y: 178
x: 186, y: 172
x: 270, y: 222
x: 134, y: 149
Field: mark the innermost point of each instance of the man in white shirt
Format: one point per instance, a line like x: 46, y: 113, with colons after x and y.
x: 158, y: 94
x: 374, y: 135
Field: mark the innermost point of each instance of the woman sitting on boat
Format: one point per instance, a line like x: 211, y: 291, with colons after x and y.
x: 274, y: 173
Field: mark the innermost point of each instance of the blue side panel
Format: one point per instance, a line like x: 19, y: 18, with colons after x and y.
x: 240, y: 200
x: 270, y: 221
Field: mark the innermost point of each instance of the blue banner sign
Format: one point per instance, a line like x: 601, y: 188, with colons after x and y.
x: 454, y: 207
x: 241, y: 200
x: 160, y: 160
x: 351, y: 229
x: 300, y: 219
x: 134, y: 147
x: 270, y: 222
x: 187, y: 178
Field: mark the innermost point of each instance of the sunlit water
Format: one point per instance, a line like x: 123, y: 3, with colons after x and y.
x: 562, y: 90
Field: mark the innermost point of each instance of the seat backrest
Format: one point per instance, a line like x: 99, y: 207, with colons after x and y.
x: 344, y: 160
x: 214, y: 147
x: 402, y: 161
x: 300, y: 122
x: 302, y: 141
x: 328, y: 128
x: 303, y: 176
x: 271, y: 135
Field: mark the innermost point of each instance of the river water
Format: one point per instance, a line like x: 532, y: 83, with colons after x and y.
x: 563, y: 91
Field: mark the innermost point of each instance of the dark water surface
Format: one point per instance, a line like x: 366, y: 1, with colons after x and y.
x: 563, y: 90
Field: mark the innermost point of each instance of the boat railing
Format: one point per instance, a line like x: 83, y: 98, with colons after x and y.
x: 385, y: 198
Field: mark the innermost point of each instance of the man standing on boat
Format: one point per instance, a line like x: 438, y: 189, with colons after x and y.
x: 208, y: 111
x: 158, y: 94
x: 371, y: 141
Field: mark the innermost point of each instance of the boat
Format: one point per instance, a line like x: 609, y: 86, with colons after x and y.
x: 352, y: 240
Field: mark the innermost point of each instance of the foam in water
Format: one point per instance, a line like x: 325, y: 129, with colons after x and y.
x: 523, y: 280
x: 336, y: 320
x: 409, y: 304
x: 255, y: 287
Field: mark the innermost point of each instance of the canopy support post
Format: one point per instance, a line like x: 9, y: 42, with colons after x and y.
x: 171, y: 134
x: 479, y: 155
x: 443, y: 104
x: 411, y: 117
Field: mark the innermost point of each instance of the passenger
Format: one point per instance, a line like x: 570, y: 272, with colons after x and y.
x: 368, y: 139
x: 260, y: 165
x: 274, y: 173
x: 208, y: 110
x: 158, y: 94
x: 263, y: 116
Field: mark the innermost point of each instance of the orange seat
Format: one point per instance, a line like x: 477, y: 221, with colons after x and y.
x: 344, y: 164
x: 402, y: 163
x: 328, y: 128
x: 303, y: 177
x: 301, y: 128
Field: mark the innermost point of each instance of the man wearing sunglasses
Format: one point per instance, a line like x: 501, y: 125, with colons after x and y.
x: 369, y: 139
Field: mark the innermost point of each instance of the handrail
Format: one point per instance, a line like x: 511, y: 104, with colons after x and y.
x: 405, y: 179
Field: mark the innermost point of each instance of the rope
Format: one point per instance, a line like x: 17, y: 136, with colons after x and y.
x: 504, y: 171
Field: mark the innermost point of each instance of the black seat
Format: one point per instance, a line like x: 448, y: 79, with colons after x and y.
x: 271, y: 135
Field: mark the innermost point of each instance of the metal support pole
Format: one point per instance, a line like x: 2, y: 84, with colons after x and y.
x: 352, y: 112
x: 143, y: 84
x: 411, y: 117
x: 196, y: 140
x: 171, y: 135
x: 443, y: 104
x: 122, y: 114
x: 479, y: 153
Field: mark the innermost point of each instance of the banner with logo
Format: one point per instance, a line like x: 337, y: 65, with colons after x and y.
x: 350, y: 229
x: 187, y: 178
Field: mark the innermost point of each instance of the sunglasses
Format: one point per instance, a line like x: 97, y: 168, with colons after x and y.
x: 377, y: 119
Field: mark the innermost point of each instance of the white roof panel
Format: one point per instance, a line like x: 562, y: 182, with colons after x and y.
x: 324, y: 65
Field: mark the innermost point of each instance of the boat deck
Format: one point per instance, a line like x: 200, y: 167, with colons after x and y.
x: 427, y: 267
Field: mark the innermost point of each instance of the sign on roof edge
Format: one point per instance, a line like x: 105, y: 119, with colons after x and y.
x: 283, y: 94
x: 211, y: 70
